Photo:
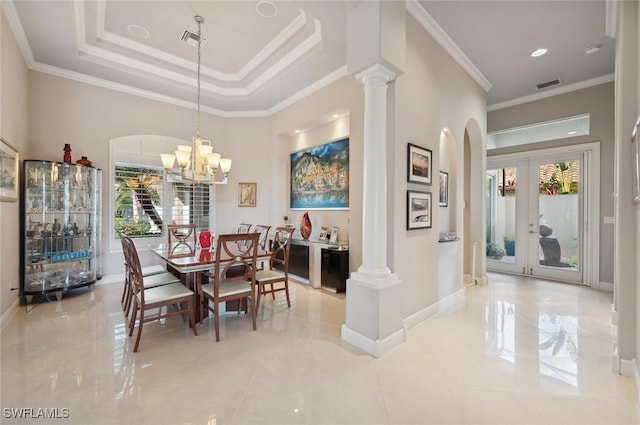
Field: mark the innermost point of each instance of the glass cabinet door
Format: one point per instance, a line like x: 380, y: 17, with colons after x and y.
x: 60, y: 225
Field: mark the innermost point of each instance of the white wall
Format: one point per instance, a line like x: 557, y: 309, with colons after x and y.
x: 627, y: 214
x: 433, y: 95
x: 14, y: 129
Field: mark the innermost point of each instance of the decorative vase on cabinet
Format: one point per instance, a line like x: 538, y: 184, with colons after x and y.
x: 60, y: 228
x: 305, y: 226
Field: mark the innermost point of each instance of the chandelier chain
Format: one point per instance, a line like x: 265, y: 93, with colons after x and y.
x: 199, y: 20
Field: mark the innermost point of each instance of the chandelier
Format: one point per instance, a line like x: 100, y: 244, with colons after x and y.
x: 198, y: 163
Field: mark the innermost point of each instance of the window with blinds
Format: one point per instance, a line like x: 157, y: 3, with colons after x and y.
x: 145, y: 201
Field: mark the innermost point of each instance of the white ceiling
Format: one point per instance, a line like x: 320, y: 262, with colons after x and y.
x: 254, y: 65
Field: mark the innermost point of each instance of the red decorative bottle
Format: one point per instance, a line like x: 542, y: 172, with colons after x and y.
x: 205, y: 239
x: 305, y: 226
x: 67, y: 153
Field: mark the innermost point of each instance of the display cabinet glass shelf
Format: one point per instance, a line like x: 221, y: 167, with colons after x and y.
x: 60, y: 228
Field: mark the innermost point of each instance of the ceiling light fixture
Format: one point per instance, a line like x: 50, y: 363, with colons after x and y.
x: 592, y: 49
x: 198, y: 163
x: 266, y: 9
x: 538, y: 52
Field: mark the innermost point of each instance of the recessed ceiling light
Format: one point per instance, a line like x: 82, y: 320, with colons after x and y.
x: 266, y: 9
x: 571, y: 133
x: 138, y: 31
x: 335, y: 116
x: 592, y: 49
x: 538, y: 52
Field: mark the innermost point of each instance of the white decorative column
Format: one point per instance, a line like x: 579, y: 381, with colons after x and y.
x: 373, y: 290
x: 374, y: 205
x: 376, y: 47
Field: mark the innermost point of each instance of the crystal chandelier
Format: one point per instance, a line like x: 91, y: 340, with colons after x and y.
x: 198, y: 163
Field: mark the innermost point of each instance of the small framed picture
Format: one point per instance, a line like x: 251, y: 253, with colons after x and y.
x: 418, y: 210
x: 8, y: 172
x: 635, y: 139
x: 334, y: 235
x: 247, y: 194
x: 444, y: 189
x: 324, y: 233
x: 419, y: 164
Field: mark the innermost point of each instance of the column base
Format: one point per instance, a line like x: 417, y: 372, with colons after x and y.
x: 374, y: 316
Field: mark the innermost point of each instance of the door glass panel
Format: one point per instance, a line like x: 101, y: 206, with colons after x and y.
x: 558, y: 214
x: 501, y: 186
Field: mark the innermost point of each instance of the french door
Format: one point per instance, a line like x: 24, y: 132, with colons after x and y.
x: 538, y: 210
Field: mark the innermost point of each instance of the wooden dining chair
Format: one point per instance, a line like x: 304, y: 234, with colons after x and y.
x: 263, y: 231
x: 182, y: 233
x: 244, y: 228
x: 278, y: 271
x: 159, y: 298
x: 155, y: 275
x: 233, y: 277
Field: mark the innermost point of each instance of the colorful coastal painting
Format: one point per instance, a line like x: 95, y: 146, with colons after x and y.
x: 320, y: 177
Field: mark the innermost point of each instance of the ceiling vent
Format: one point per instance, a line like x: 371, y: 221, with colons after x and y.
x: 548, y: 84
x: 191, y: 38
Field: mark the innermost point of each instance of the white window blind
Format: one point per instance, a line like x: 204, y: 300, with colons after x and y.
x: 145, y: 202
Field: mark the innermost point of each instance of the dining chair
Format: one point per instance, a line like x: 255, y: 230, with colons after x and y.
x: 263, y: 231
x: 159, y: 298
x: 182, y: 233
x: 155, y: 275
x: 278, y: 271
x: 233, y: 276
x: 244, y: 228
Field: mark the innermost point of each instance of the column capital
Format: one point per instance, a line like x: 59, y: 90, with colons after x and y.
x: 376, y: 72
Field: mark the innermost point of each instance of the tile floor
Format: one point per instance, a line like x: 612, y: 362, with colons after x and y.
x: 519, y: 351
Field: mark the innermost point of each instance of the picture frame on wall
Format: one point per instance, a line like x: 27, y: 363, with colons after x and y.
x: 444, y: 189
x: 9, y: 159
x: 419, y: 164
x: 247, y: 194
x: 635, y: 139
x: 418, y: 210
x: 319, y: 177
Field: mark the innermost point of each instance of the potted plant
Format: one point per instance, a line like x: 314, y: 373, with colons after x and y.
x: 510, y: 245
x: 494, y: 251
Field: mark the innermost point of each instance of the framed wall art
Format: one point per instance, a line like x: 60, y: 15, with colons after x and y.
x: 635, y: 139
x: 247, y: 194
x: 444, y: 189
x: 8, y: 172
x: 419, y: 164
x: 418, y: 210
x: 320, y: 177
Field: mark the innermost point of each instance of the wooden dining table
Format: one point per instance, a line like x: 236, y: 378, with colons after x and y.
x: 190, y: 261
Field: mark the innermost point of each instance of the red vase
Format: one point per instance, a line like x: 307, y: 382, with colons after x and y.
x: 205, y: 239
x: 305, y: 226
x: 205, y: 256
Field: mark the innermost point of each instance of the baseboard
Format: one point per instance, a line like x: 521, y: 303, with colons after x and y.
x: 628, y: 368
x: 8, y: 315
x: 452, y: 300
x: 604, y: 286
x: 376, y: 348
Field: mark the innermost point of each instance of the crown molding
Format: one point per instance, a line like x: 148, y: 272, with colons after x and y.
x: 429, y: 24
x: 552, y: 92
x: 18, y: 32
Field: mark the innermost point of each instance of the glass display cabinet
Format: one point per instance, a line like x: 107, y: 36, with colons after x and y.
x: 60, y: 228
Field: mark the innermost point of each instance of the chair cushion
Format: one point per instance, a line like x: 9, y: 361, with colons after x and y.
x: 166, y: 293
x: 160, y: 279
x: 269, y: 275
x: 228, y: 288
x: 155, y: 269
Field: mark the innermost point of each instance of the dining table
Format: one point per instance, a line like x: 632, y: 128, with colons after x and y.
x: 190, y: 261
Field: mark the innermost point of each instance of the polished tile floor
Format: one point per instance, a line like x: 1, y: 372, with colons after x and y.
x: 519, y: 351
